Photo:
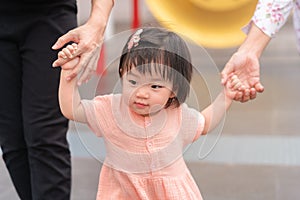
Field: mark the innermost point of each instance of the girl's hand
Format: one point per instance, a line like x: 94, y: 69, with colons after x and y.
x: 234, y: 87
x: 89, y: 40
x: 68, y: 53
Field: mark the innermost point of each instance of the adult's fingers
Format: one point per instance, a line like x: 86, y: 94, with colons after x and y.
x: 238, y: 96
x: 246, y: 96
x: 223, y: 79
x: 243, y: 96
x: 74, y: 72
x: 259, y: 87
x: 64, y: 39
x: 225, y: 74
x: 89, y: 69
x: 61, y: 60
x: 70, y: 65
x: 80, y: 68
x: 252, y: 93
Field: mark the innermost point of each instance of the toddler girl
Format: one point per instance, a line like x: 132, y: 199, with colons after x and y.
x: 148, y: 125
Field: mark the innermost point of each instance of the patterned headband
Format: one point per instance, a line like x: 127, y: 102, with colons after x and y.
x: 134, y: 40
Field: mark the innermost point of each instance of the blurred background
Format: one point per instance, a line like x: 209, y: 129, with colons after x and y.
x: 255, y: 153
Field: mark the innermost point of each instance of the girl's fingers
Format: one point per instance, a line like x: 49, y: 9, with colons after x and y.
x: 62, y: 55
x: 236, y: 84
x: 243, y: 94
x: 75, y: 46
x: 68, y: 52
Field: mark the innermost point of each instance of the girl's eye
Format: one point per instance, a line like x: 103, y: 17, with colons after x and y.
x: 156, y: 86
x: 132, y: 82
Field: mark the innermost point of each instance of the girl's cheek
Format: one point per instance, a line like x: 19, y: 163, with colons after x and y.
x: 128, y: 94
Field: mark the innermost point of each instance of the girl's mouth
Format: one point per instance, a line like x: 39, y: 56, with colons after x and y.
x: 140, y: 105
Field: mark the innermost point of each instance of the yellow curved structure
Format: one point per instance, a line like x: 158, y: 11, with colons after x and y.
x: 210, y: 23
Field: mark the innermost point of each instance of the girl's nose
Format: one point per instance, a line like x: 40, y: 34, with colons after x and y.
x: 142, y: 92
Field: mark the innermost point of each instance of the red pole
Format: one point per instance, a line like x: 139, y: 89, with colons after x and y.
x: 135, y: 24
x: 136, y: 19
x: 101, y: 62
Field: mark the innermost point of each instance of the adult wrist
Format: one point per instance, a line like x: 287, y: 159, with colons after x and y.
x: 255, y: 42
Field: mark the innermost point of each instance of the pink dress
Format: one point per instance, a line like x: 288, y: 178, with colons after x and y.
x: 144, y: 154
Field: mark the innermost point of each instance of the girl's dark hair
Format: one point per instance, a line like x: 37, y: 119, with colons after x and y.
x: 169, y: 55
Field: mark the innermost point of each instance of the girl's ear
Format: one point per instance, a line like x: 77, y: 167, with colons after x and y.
x: 174, y: 91
x: 172, y: 95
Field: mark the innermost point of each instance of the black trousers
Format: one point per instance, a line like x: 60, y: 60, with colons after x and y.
x: 32, y: 128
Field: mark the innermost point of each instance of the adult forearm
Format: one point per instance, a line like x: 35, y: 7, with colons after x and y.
x: 100, y: 12
x: 255, y: 42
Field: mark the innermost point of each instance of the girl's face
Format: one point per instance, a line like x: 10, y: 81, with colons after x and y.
x: 144, y: 93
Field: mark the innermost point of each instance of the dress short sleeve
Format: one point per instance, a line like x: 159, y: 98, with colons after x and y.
x: 97, y: 112
x: 192, y: 122
x: 201, y: 121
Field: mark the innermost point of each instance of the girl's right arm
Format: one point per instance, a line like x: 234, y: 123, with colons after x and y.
x: 69, y: 97
x: 214, y: 113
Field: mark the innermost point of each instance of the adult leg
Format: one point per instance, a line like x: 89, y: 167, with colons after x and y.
x: 11, y: 129
x: 44, y: 126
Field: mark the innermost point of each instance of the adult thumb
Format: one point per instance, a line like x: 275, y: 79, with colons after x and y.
x: 259, y: 87
x: 63, y: 40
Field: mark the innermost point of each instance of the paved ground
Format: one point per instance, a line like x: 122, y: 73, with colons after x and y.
x: 216, y: 181
x: 257, y: 154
